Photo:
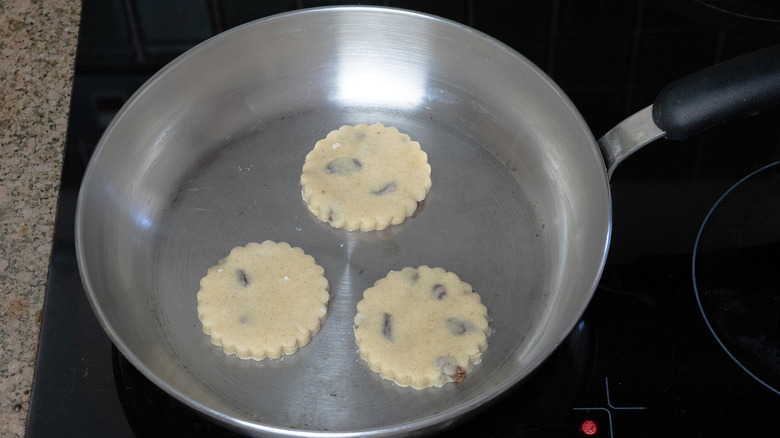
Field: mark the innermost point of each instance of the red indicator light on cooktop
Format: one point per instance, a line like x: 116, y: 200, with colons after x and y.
x: 589, y: 427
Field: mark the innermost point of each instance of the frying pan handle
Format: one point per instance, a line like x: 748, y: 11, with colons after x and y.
x: 738, y: 87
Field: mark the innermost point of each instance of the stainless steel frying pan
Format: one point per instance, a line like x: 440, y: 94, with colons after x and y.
x: 207, y: 156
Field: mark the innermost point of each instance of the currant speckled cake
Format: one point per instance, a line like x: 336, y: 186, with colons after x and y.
x: 263, y: 300
x: 421, y: 327
x: 365, y: 177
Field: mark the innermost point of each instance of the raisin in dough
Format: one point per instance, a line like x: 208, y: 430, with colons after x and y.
x: 365, y: 177
x: 421, y: 327
x: 263, y: 300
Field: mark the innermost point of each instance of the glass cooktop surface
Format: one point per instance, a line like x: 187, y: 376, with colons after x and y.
x: 681, y: 337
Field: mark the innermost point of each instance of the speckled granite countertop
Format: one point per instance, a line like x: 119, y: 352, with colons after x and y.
x: 38, y: 46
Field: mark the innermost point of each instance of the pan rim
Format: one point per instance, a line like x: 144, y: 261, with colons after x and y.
x: 423, y: 424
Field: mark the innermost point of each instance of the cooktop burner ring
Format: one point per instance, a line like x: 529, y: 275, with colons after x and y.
x: 702, y: 293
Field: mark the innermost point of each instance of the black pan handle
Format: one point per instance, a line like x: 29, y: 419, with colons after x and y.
x: 738, y: 87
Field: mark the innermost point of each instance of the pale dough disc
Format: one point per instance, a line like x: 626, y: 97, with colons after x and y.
x: 263, y: 300
x: 365, y: 177
x: 421, y: 327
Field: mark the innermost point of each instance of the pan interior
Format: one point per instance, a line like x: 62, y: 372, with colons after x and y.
x: 207, y: 156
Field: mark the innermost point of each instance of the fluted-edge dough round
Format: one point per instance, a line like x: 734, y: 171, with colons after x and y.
x: 263, y: 300
x: 421, y: 327
x: 365, y: 177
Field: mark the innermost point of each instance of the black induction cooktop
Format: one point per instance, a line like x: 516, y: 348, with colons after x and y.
x: 681, y: 337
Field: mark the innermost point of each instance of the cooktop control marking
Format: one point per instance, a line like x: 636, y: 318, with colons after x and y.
x: 608, y: 409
